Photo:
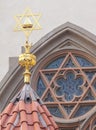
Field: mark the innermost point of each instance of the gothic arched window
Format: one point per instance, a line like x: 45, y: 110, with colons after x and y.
x: 67, y: 85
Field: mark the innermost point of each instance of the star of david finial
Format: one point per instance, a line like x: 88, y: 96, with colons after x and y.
x: 27, y: 22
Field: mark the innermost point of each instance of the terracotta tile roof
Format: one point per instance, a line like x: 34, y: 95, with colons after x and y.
x: 26, y: 112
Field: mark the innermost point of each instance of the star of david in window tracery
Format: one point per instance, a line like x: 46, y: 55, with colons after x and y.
x: 68, y: 82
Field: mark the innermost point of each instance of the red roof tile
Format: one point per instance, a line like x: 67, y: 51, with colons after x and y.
x: 26, y: 112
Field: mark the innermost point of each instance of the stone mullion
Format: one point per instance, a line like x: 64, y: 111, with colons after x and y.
x: 84, y: 94
x: 53, y: 95
x: 90, y: 85
x: 83, y: 75
x: 93, y: 89
x: 79, y: 102
x: 77, y: 105
x: 89, y: 68
x: 75, y: 68
x: 88, y: 102
x: 47, y: 88
x: 73, y: 110
x: 49, y: 70
x: 44, y: 94
x: 62, y: 103
x: 59, y: 104
x: 44, y: 80
x: 62, y: 111
x: 59, y: 69
x: 60, y: 107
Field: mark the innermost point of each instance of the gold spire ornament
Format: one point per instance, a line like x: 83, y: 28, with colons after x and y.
x: 27, y: 60
x: 27, y: 22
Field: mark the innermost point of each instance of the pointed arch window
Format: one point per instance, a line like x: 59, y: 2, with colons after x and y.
x: 67, y: 85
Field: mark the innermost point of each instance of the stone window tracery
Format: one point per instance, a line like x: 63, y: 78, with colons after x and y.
x: 67, y: 85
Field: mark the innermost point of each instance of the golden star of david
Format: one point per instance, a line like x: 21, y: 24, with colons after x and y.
x: 27, y: 22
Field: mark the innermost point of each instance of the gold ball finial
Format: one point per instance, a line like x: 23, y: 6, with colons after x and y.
x: 27, y: 60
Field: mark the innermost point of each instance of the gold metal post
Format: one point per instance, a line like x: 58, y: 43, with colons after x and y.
x: 27, y: 22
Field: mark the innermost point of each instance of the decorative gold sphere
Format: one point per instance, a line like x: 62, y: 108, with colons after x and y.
x: 27, y: 60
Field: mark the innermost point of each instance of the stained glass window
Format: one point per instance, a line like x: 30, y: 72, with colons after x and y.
x: 69, y: 86
x: 40, y: 87
x: 83, y: 110
x: 55, y: 111
x: 66, y: 83
x: 83, y: 62
x: 55, y: 64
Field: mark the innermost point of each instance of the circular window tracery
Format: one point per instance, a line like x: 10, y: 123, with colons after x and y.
x: 67, y: 85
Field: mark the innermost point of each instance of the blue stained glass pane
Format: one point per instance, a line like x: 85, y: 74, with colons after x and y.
x: 48, y: 98
x: 84, y: 62
x: 69, y: 64
x: 40, y: 87
x: 89, y: 96
x: 68, y: 109
x: 49, y: 76
x: 54, y: 110
x: 94, y: 85
x: 69, y: 86
x: 83, y: 110
x: 55, y: 64
x: 90, y: 74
